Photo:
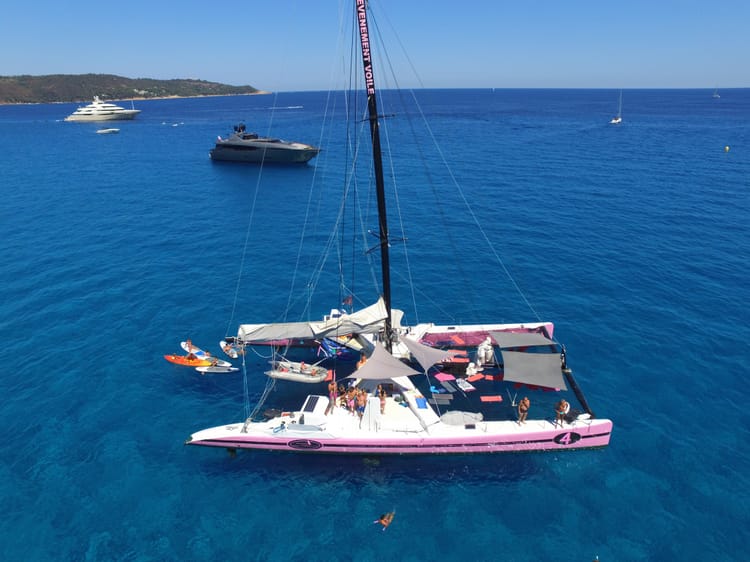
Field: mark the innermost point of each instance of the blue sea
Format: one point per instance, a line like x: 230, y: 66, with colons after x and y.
x: 633, y: 239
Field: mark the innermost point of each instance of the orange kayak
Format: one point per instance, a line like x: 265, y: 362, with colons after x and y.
x: 185, y: 360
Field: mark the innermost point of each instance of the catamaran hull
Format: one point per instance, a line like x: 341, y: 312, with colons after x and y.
x: 536, y: 435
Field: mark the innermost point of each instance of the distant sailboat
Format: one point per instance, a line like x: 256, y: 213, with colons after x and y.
x: 618, y: 119
x: 716, y: 94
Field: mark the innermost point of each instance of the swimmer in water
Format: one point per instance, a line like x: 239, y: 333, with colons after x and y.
x: 386, y: 519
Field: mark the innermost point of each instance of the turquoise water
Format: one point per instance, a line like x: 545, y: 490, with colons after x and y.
x: 634, y: 240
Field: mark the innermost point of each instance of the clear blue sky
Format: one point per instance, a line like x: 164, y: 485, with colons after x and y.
x: 286, y: 45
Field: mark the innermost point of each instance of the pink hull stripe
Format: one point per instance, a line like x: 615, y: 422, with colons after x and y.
x: 556, y: 439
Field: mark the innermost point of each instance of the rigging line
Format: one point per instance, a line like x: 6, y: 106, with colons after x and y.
x: 355, y: 141
x: 428, y: 298
x: 475, y: 219
x: 316, y: 269
x: 469, y: 288
x: 270, y: 384
x: 360, y: 127
x: 362, y: 204
x: 399, y: 212
x: 445, y: 164
x: 305, y: 223
x: 245, y: 389
x: 455, y: 182
x: 330, y: 243
x: 328, y: 114
x: 247, y: 239
x: 350, y: 157
x: 434, y: 400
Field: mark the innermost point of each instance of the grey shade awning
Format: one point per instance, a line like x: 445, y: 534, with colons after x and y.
x: 382, y: 365
x: 541, y: 369
x: 425, y: 355
x: 272, y: 332
x: 369, y: 320
x: 520, y: 339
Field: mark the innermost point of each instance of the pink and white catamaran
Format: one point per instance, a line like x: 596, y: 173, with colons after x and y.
x: 407, y: 420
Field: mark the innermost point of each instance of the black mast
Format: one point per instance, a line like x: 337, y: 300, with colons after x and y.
x: 372, y: 108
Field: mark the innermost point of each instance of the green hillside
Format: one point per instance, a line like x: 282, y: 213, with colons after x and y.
x: 83, y: 87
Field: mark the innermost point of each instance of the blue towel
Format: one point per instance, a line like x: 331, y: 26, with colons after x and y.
x: 421, y: 403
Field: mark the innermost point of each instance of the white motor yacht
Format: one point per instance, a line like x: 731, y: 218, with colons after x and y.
x: 99, y: 110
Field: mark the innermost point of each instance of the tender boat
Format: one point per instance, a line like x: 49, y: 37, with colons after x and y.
x: 107, y: 131
x: 242, y: 146
x: 297, y: 371
x: 99, y: 110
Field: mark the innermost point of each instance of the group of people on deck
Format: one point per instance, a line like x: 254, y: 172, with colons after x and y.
x: 561, y: 410
x: 353, y: 399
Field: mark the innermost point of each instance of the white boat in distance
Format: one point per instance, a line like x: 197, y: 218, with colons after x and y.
x: 99, y: 110
x: 242, y: 146
x: 618, y: 118
x: 393, y: 416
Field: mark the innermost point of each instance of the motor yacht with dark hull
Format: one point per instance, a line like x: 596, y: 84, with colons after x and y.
x: 242, y: 146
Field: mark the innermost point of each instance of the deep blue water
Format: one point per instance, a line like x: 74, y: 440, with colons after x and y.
x: 634, y: 240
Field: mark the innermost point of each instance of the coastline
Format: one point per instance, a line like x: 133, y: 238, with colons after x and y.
x: 142, y: 98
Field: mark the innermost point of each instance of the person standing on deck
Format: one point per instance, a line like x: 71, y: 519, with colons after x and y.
x: 361, y: 403
x: 331, y: 397
x: 523, y: 410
